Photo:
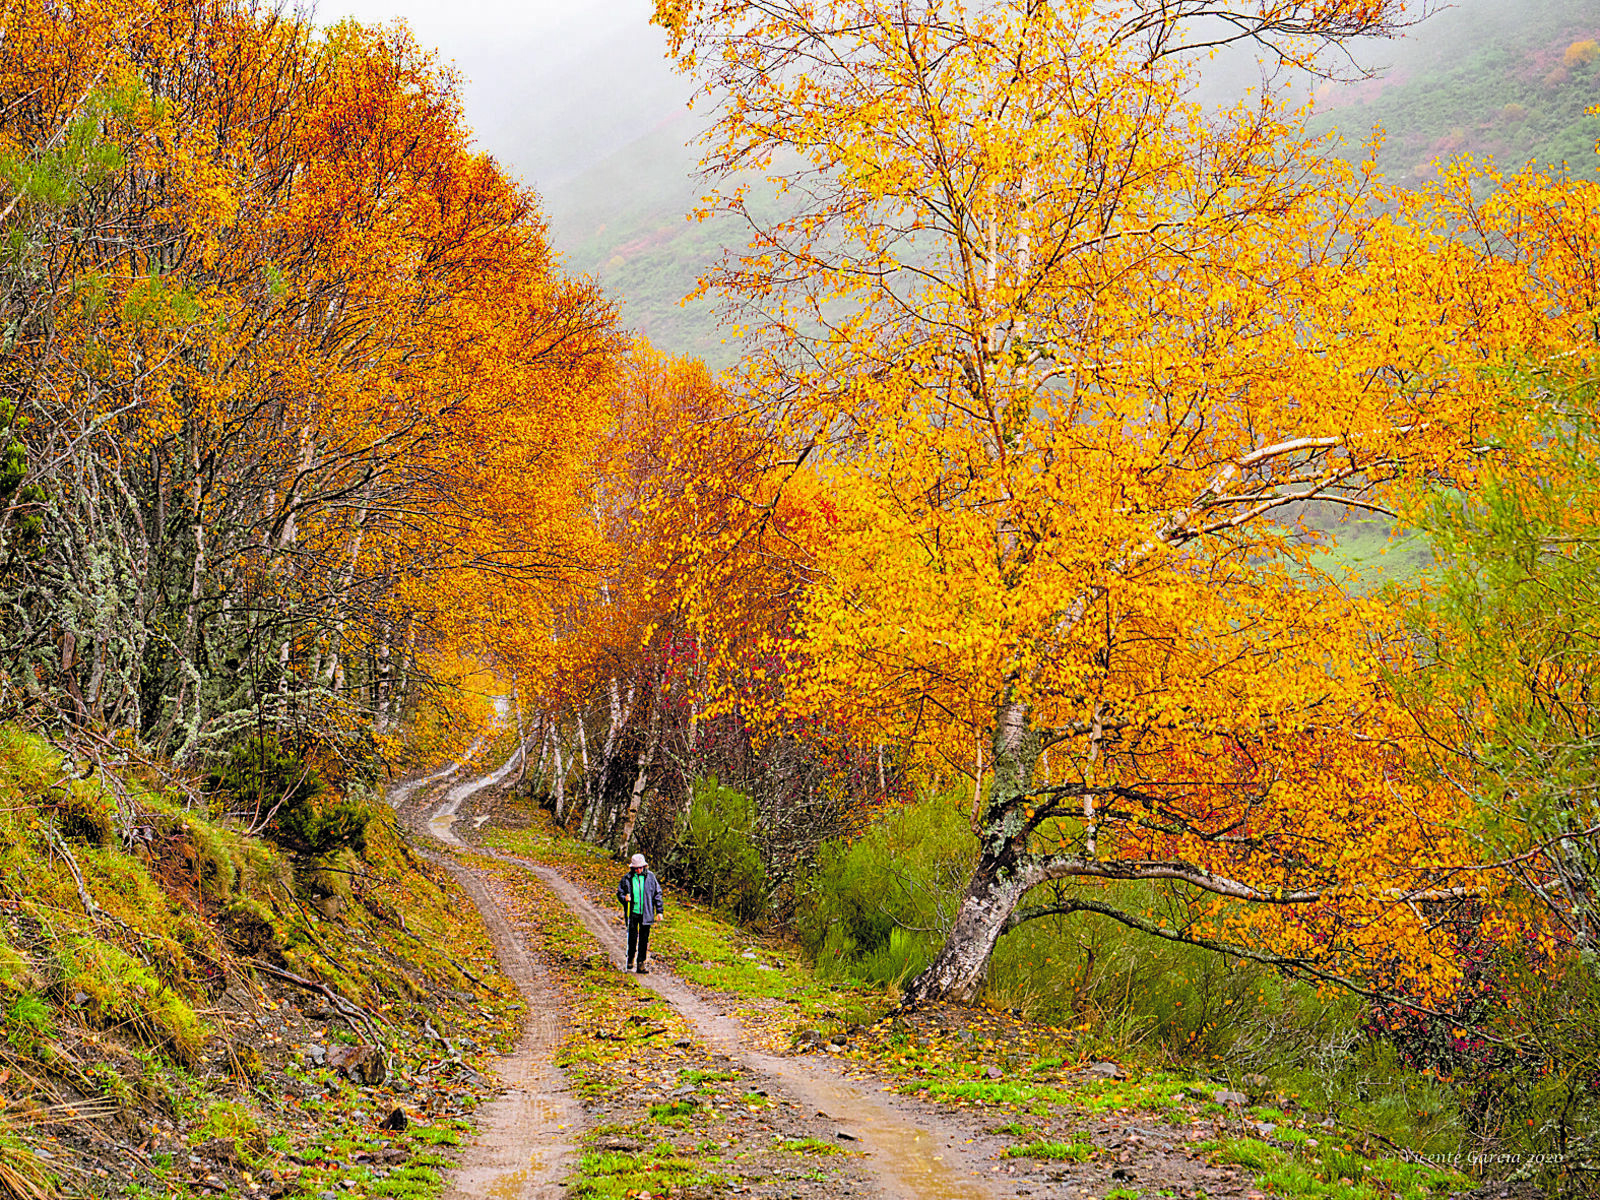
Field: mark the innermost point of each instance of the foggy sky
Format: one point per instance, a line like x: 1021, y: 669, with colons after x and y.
x: 550, y: 87
x: 553, y: 87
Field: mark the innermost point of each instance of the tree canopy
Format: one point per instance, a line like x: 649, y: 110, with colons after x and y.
x: 1077, y: 359
x: 296, y: 393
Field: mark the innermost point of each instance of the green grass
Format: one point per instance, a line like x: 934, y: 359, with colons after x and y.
x: 811, y: 1145
x: 697, y: 1077
x: 614, y: 1176
x: 676, y: 1113
x: 1154, y: 1093
x: 1055, y: 1151
x: 409, y: 1183
x: 1333, y: 1172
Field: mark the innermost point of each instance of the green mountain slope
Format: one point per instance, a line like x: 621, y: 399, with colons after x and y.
x: 1504, y: 81
x: 625, y: 220
x: 1487, y: 77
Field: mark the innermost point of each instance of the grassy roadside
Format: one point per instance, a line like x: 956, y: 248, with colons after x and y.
x: 1046, y: 1089
x: 191, y: 1010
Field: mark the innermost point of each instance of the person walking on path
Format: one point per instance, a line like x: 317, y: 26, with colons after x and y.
x: 639, y: 893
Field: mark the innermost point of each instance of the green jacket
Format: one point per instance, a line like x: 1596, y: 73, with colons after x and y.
x: 652, y: 906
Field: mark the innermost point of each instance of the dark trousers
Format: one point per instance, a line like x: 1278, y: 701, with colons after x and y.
x: 638, y: 941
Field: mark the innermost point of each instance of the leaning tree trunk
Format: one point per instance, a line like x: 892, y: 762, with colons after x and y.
x: 961, y: 967
x: 1001, y: 876
x: 647, y: 759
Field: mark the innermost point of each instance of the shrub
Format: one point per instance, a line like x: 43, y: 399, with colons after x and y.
x: 716, y: 856
x: 263, y: 777
x: 879, y: 906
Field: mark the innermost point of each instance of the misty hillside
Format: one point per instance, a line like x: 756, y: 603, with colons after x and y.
x: 1508, y: 80
x: 625, y: 220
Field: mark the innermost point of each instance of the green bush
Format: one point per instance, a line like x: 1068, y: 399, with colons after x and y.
x: 878, y: 906
x: 716, y: 856
x: 263, y: 777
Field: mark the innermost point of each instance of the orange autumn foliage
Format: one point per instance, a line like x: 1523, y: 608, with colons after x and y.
x: 1075, y: 358
x: 298, y: 364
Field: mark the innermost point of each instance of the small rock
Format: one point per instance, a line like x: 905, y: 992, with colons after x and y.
x: 396, y: 1120
x: 315, y: 1053
x: 994, y: 1073
x: 845, y: 1137
x: 222, y: 1149
x: 1266, y: 1129
x: 684, y: 1044
x: 361, y: 1063
x: 80, y: 997
x: 833, y: 1047
x: 1107, y: 1070
x: 1226, y: 1097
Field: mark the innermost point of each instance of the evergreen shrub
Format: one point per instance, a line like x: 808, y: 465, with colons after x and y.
x: 716, y: 857
x: 880, y: 906
x: 308, y: 817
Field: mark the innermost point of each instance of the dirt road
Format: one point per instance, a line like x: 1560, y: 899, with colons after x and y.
x: 899, y: 1147
x: 526, y: 1143
x: 525, y: 1146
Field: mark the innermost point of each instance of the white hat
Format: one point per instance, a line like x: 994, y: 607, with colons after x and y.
x: 636, y: 861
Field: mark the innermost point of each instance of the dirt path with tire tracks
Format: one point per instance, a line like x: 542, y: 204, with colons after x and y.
x: 525, y: 1146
